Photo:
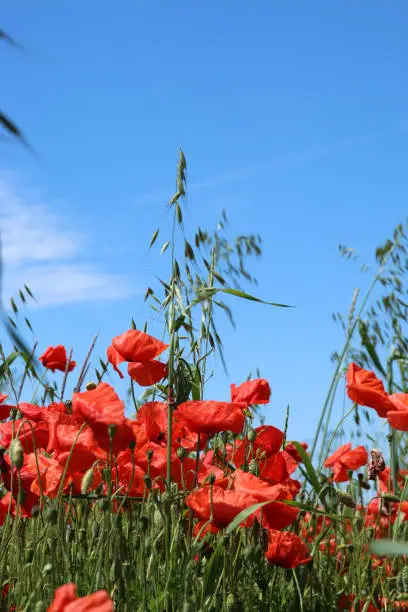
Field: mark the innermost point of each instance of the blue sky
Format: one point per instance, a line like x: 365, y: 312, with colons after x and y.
x: 292, y: 116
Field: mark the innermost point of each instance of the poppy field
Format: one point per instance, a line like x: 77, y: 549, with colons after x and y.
x: 193, y: 503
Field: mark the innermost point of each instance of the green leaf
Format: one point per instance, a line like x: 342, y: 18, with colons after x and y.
x: 311, y: 509
x: 210, y: 291
x: 7, y: 363
x: 389, y: 547
x: 311, y: 473
x: 242, y: 516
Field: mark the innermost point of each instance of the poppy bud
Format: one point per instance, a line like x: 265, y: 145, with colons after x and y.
x: 224, y: 437
x: 149, y: 454
x: 87, y: 480
x: 47, y: 569
x: 252, y: 435
x: 346, y: 499
x: 90, y: 386
x: 17, y: 453
x: 390, y: 497
x: 13, y: 414
x: 158, y: 519
x: 181, y: 453
x: 211, y: 478
x: 363, y: 484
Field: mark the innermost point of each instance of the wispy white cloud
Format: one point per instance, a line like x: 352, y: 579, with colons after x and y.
x: 41, y: 250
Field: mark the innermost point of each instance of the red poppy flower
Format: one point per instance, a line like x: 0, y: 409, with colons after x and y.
x: 398, y: 416
x: 158, y: 463
x: 7, y: 506
x: 291, y: 449
x: 275, y: 468
x: 255, y: 391
x: 275, y: 515
x: 210, y: 417
x: 55, y: 358
x: 140, y: 350
x: 344, y: 459
x: 226, y: 504
x: 364, y: 388
x: 267, y: 442
x: 4, y: 408
x: 66, y: 600
x: 49, y: 472
x: 286, y: 549
x: 31, y: 434
x: 99, y: 405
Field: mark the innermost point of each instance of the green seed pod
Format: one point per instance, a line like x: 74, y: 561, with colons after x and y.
x: 346, y: 499
x: 17, y: 453
x: 390, y: 497
x: 147, y: 481
x: 181, y: 453
x: 211, y: 478
x: 224, y: 437
x: 87, y: 480
x: 149, y: 454
x: 51, y: 515
x: 90, y: 386
x: 111, y: 431
x: 158, y: 520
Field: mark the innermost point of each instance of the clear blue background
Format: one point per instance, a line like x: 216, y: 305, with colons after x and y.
x: 293, y: 116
